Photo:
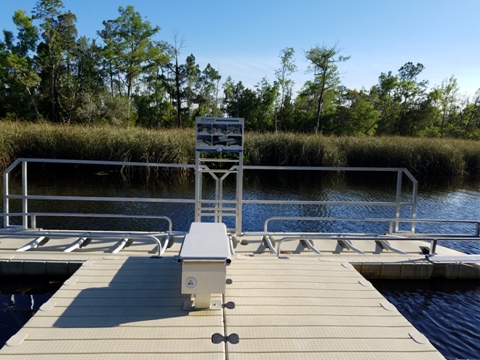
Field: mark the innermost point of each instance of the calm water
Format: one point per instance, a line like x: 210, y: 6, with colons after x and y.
x: 447, y: 312
x: 20, y: 298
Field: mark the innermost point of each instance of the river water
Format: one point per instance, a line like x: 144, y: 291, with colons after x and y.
x: 447, y: 312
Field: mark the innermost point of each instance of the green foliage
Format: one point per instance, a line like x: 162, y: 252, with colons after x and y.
x: 130, y: 49
x: 256, y: 107
x: 323, y: 61
x: 356, y: 115
x: 283, y: 102
x: 129, y: 78
x: 18, y: 79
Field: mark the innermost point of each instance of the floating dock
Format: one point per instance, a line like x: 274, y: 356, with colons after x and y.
x: 293, y: 305
x: 236, y: 295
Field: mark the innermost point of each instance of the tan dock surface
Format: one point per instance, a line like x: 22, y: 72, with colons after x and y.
x: 301, y: 307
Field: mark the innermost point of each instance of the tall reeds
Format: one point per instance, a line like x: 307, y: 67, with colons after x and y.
x: 96, y: 143
x: 425, y: 158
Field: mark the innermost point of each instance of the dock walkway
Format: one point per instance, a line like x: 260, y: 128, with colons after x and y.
x: 297, y: 307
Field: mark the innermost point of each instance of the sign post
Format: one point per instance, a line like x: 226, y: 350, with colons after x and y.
x: 219, y: 135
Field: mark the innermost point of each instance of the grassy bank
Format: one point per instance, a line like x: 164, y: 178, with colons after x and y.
x: 423, y: 157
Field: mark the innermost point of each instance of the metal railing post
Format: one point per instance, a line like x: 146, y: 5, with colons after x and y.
x: 24, y: 195
x: 198, y: 187
x: 218, y: 199
x: 6, y: 200
x: 398, y: 198
x: 414, y: 205
x: 414, y: 198
x: 239, y: 217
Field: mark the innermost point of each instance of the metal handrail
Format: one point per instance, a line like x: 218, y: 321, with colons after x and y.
x: 102, y: 198
x: 224, y: 207
x: 390, y: 221
x: 390, y: 235
x: 33, y: 216
x: 24, y: 197
x: 220, y: 206
x: 78, y: 233
x: 398, y: 204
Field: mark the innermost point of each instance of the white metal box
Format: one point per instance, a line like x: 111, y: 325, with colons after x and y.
x: 203, y: 277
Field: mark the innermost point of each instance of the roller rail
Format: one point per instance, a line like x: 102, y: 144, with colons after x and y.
x: 345, y: 239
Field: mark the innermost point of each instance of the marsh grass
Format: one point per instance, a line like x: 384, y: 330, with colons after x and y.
x: 98, y: 143
x: 425, y: 158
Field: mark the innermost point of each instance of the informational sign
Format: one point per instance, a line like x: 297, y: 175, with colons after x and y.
x: 219, y: 134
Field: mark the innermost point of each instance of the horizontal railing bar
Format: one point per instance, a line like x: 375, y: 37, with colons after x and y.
x: 192, y: 166
x: 206, y: 201
x: 216, y: 214
x: 364, y: 236
x: 68, y: 233
x: 467, y: 221
x: 222, y: 171
x: 322, y: 168
x: 103, y: 215
x: 339, y: 235
x: 386, y: 220
x: 219, y: 212
x: 228, y: 202
x: 325, y: 202
x: 219, y: 160
x: 99, y: 198
x: 342, y: 236
x: 101, y: 162
x: 91, y: 215
x: 192, y: 201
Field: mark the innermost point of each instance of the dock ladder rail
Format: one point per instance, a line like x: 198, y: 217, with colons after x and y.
x: 164, y: 240
x: 30, y: 226
x: 345, y: 239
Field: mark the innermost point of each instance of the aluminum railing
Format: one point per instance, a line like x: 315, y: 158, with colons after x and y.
x: 345, y: 238
x: 25, y: 197
x: 220, y: 205
x: 397, y: 204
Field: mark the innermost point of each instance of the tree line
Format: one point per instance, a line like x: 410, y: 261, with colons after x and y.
x: 127, y: 77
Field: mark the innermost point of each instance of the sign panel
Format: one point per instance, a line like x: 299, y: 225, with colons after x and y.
x: 219, y: 134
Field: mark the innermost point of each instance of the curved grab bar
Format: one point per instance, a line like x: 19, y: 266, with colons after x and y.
x: 300, y: 238
x: 42, y: 234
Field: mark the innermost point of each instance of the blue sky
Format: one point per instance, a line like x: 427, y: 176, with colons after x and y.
x: 243, y: 38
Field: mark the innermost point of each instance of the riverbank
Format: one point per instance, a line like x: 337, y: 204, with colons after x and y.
x: 425, y: 158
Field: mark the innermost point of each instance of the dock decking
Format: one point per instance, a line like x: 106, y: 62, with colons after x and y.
x: 298, y: 306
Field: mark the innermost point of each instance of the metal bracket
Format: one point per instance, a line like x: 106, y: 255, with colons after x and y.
x: 384, y: 244
x: 39, y: 241
x: 203, y: 302
x: 346, y: 244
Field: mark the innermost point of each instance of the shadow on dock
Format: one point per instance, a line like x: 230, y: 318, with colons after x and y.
x: 112, y: 293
